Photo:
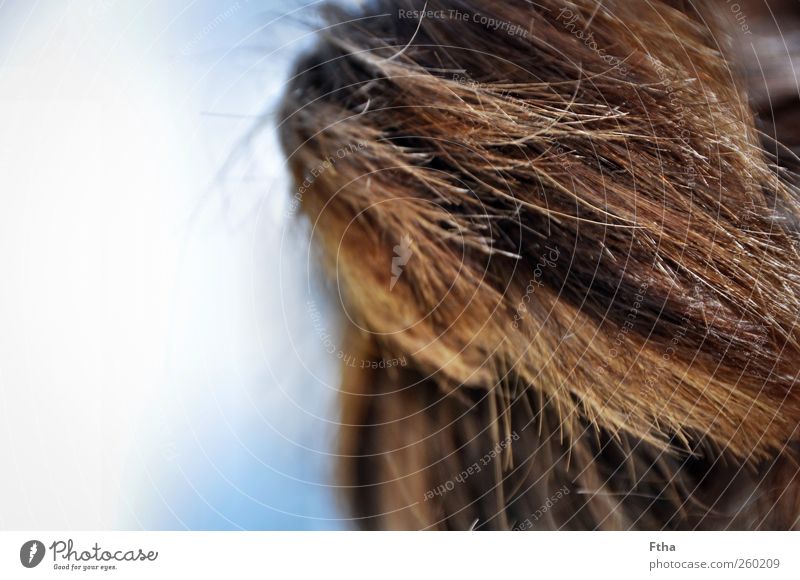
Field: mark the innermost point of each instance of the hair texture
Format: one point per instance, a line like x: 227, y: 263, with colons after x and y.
x: 562, y: 217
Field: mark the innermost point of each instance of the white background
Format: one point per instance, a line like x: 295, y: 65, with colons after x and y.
x: 145, y: 376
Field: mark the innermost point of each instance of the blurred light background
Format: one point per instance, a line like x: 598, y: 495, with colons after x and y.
x: 158, y: 366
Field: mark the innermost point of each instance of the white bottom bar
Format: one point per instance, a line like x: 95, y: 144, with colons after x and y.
x: 356, y: 555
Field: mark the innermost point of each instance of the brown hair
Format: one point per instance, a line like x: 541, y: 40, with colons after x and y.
x: 561, y: 218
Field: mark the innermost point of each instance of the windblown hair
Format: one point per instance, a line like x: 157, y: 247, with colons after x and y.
x: 562, y: 217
